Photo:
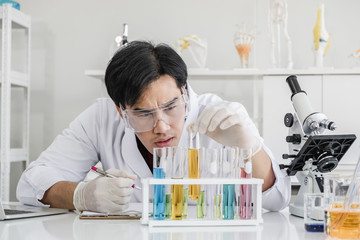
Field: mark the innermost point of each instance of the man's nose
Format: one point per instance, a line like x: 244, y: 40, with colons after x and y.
x: 161, y: 126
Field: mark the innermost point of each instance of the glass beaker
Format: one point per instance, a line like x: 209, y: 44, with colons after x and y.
x: 314, y: 212
x: 340, y: 222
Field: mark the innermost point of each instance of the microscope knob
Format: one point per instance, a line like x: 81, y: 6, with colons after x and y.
x: 286, y: 156
x: 327, y: 163
x: 295, y: 139
x: 289, y: 119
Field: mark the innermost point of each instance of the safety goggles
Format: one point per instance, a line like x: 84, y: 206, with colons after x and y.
x: 146, y: 119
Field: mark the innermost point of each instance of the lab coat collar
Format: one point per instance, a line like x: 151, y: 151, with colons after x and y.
x: 132, y: 156
x: 131, y: 153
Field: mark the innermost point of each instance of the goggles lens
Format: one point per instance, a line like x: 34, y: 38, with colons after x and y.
x: 146, y: 119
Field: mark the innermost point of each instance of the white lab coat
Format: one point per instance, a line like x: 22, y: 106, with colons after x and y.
x: 99, y: 134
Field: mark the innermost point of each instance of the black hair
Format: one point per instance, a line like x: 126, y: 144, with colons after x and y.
x: 136, y: 65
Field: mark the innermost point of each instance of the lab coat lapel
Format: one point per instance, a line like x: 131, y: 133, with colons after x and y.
x: 132, y: 155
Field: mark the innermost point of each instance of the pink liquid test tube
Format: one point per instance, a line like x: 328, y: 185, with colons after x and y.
x: 245, y: 190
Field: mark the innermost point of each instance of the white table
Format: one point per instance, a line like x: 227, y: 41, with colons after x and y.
x: 276, y: 226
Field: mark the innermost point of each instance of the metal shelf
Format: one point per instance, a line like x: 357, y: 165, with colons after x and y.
x: 18, y: 79
x: 12, y: 19
x: 18, y: 154
x: 19, y: 19
x: 208, y: 74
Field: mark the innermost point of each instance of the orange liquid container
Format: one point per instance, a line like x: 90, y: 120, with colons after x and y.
x: 243, y: 50
x: 343, y: 224
x: 194, y: 173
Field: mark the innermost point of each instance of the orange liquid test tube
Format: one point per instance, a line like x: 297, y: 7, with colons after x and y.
x: 194, y: 164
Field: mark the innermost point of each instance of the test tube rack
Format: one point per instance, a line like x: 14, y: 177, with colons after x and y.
x: 257, y: 202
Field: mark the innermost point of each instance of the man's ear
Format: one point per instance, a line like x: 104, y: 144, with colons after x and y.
x: 119, y: 110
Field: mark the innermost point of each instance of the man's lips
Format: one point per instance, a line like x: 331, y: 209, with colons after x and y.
x: 164, y: 143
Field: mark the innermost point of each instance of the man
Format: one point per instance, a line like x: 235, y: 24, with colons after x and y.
x: 151, y: 105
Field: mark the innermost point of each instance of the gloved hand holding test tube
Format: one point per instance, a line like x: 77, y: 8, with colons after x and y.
x: 228, y: 127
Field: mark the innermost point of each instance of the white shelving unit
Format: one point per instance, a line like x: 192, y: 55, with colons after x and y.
x: 204, y: 74
x: 12, y: 20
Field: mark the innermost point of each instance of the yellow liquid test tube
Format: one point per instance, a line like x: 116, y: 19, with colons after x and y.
x: 194, y: 165
x: 177, y: 194
x: 177, y: 191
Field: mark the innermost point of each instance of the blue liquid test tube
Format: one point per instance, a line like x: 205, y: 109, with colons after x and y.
x: 159, y: 196
x: 228, y: 171
x: 228, y: 201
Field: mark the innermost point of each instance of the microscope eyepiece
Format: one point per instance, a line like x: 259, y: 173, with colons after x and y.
x: 293, y: 84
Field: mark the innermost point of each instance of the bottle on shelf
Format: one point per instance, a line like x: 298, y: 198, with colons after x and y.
x: 119, y: 41
x: 14, y: 4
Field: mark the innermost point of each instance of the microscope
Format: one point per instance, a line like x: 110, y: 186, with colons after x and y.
x: 312, y: 151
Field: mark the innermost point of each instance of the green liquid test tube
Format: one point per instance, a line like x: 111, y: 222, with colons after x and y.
x: 217, y: 206
x: 185, y: 203
x: 201, y: 205
x: 167, y: 205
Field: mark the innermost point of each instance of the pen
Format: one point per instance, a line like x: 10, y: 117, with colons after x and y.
x: 102, y: 172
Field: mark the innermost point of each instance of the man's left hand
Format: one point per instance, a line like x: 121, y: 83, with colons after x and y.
x: 223, y: 124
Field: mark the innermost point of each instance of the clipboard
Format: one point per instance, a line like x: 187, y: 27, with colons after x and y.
x: 100, y: 215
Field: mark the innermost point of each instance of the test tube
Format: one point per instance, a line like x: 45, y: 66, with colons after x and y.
x: 212, y: 164
x: 167, y: 202
x: 177, y: 190
x: 185, y: 187
x: 159, y: 169
x: 245, y: 189
x: 201, y: 207
x: 185, y: 203
x: 228, y: 189
x: 194, y: 164
x: 237, y: 174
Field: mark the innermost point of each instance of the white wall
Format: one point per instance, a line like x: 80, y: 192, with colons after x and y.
x: 71, y: 36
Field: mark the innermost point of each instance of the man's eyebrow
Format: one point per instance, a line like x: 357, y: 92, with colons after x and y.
x: 162, y: 105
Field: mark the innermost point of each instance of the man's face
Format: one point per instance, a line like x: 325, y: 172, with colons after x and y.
x: 160, y: 93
